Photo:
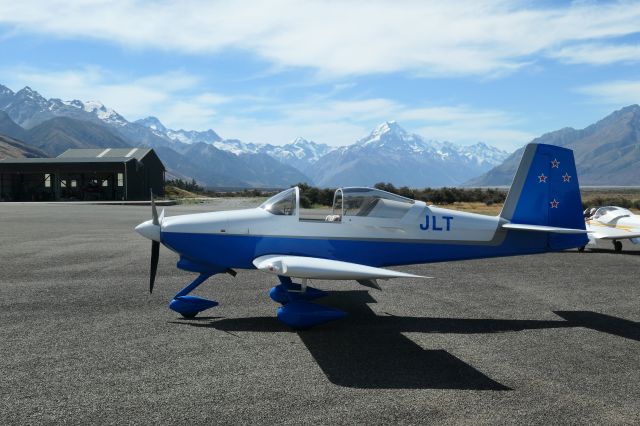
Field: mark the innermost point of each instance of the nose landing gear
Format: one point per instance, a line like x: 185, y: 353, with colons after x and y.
x: 190, y: 306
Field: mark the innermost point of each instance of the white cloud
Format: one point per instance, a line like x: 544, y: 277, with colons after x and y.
x: 481, y: 37
x: 598, y: 53
x: 618, y: 93
x: 193, y: 113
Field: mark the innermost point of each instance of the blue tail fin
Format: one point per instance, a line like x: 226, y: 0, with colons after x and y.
x: 545, y: 191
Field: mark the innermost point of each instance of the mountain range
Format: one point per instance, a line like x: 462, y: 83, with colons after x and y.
x: 606, y: 153
x: 388, y: 154
x: 391, y: 154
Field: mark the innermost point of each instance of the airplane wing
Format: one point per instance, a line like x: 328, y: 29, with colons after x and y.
x: 614, y: 234
x: 326, y: 269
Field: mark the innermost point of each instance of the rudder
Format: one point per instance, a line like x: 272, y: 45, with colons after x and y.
x: 545, y: 191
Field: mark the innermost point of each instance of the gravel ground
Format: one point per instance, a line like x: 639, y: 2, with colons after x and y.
x: 547, y: 339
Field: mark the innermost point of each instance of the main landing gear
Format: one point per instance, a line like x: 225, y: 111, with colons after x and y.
x: 297, y: 310
x: 617, y: 246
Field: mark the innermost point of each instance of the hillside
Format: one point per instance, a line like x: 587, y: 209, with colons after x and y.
x: 58, y: 134
x: 607, y: 152
x: 12, y: 148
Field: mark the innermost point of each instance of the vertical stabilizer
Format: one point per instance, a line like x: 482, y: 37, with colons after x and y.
x: 545, y: 191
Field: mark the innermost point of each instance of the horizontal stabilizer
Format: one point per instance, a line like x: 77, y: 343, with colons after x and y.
x: 325, y: 269
x: 543, y: 228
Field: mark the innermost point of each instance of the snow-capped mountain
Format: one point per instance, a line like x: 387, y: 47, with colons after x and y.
x: 107, y: 115
x: 483, y: 154
x: 183, y: 136
x: 152, y: 123
x: 28, y: 108
x: 299, y: 153
x: 447, y: 163
x: 237, y: 147
x: 23, y: 104
x: 391, y: 154
x: 192, y: 136
x: 389, y: 136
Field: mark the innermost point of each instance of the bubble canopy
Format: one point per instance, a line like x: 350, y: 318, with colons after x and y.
x: 284, y: 203
x: 369, y: 202
x: 608, y: 209
x: 349, y: 201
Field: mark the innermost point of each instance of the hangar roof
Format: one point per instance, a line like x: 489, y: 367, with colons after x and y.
x: 59, y: 160
x: 137, y: 153
x: 98, y: 155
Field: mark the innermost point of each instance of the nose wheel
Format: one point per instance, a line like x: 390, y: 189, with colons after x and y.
x: 190, y: 306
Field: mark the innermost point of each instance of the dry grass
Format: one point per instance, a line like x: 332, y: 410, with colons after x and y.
x: 588, y: 195
x: 480, y: 208
x: 173, y: 193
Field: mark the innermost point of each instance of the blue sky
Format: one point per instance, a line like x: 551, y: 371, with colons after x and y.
x: 498, y: 71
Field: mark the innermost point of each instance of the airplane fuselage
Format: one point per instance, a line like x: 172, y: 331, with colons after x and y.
x: 424, y: 234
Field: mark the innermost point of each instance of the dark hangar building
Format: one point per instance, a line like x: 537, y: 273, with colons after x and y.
x: 103, y: 174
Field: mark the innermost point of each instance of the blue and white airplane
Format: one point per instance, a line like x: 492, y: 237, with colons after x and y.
x: 368, y: 230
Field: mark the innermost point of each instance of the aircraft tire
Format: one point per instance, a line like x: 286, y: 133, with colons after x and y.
x: 617, y: 246
x: 189, y: 315
x: 581, y: 249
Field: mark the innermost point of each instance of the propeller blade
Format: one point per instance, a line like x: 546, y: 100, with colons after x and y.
x: 155, y: 254
x: 154, y: 211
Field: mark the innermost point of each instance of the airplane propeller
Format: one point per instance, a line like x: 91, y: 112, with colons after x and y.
x: 155, y: 254
x: 155, y: 244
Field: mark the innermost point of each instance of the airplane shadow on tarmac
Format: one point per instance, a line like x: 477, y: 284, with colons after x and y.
x: 612, y: 251
x: 368, y: 351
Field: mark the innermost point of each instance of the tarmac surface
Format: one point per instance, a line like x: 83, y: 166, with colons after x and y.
x: 546, y: 339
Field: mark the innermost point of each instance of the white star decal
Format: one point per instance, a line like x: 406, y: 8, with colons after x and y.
x: 554, y: 203
x: 566, y: 177
x: 543, y: 178
x: 555, y: 163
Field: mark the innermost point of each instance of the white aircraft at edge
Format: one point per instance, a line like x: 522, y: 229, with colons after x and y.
x: 614, y: 224
x: 367, y: 231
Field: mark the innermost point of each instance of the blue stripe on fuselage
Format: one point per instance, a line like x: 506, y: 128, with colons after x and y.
x: 238, y: 251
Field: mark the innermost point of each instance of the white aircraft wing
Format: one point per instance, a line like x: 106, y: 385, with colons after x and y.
x: 325, y: 269
x: 610, y: 233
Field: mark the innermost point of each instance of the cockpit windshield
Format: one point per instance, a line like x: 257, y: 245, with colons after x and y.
x: 605, y: 210
x: 283, y: 203
x: 370, y: 202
